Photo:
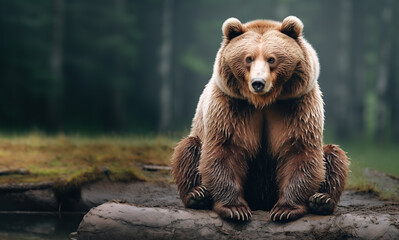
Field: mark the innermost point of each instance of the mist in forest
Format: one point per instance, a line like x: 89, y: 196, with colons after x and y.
x: 139, y: 67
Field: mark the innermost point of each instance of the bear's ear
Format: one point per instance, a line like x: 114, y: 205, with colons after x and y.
x: 232, y: 28
x: 292, y: 26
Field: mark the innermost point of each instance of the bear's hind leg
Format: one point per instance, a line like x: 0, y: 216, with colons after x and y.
x: 185, y: 162
x: 326, y: 200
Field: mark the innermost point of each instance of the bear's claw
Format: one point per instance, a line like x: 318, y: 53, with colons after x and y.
x: 199, y: 198
x: 282, y: 213
x: 234, y: 212
x: 321, y: 203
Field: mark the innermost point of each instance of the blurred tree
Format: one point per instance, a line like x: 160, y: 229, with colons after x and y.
x: 165, y: 68
x: 358, y: 54
x: 25, y: 76
x: 343, y: 102
x: 393, y: 89
x: 118, y: 83
x: 383, y: 70
x: 56, y: 68
x: 101, y: 65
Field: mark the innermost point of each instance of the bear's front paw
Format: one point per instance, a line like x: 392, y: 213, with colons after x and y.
x: 284, y: 213
x: 198, y: 198
x: 234, y: 212
x: 322, y: 203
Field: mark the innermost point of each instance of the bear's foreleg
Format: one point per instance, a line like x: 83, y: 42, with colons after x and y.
x: 337, y: 168
x: 223, y: 170
x: 299, y: 174
x: 185, y: 161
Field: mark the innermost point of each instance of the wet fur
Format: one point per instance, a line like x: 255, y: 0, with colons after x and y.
x: 261, y: 151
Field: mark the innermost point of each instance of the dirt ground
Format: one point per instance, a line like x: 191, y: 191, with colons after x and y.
x: 146, y: 194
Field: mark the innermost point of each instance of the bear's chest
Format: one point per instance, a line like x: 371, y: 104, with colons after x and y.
x: 278, y: 124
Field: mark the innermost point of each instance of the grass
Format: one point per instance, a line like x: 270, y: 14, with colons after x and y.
x: 75, y: 160
x: 384, y: 158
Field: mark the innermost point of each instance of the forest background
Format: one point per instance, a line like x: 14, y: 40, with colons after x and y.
x: 137, y: 68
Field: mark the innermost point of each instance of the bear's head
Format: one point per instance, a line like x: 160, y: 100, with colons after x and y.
x: 263, y: 61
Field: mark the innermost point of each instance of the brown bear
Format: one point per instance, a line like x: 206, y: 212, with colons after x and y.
x: 256, y: 137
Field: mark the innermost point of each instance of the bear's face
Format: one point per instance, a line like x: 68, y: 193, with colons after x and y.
x: 263, y: 61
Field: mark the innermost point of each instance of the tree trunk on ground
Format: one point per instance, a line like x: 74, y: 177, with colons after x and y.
x: 122, y: 221
x: 165, y: 68
x: 56, y: 68
x: 383, y: 70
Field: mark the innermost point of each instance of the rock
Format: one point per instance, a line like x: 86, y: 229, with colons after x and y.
x: 123, y: 221
x: 387, y: 185
x: 28, y: 200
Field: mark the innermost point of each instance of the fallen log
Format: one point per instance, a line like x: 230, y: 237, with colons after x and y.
x: 20, y: 171
x: 21, y: 187
x: 123, y: 221
x: 156, y: 168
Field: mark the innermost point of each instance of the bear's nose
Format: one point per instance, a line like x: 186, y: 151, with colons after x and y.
x: 258, y: 84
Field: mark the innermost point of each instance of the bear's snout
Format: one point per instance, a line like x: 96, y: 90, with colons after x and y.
x: 258, y: 84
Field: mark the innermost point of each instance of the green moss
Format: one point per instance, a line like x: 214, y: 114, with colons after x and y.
x: 76, y: 160
x: 358, y: 182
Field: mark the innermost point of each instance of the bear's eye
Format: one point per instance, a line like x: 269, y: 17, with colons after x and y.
x: 271, y: 60
x: 248, y: 59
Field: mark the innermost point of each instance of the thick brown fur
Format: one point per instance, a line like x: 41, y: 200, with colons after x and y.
x: 261, y: 149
